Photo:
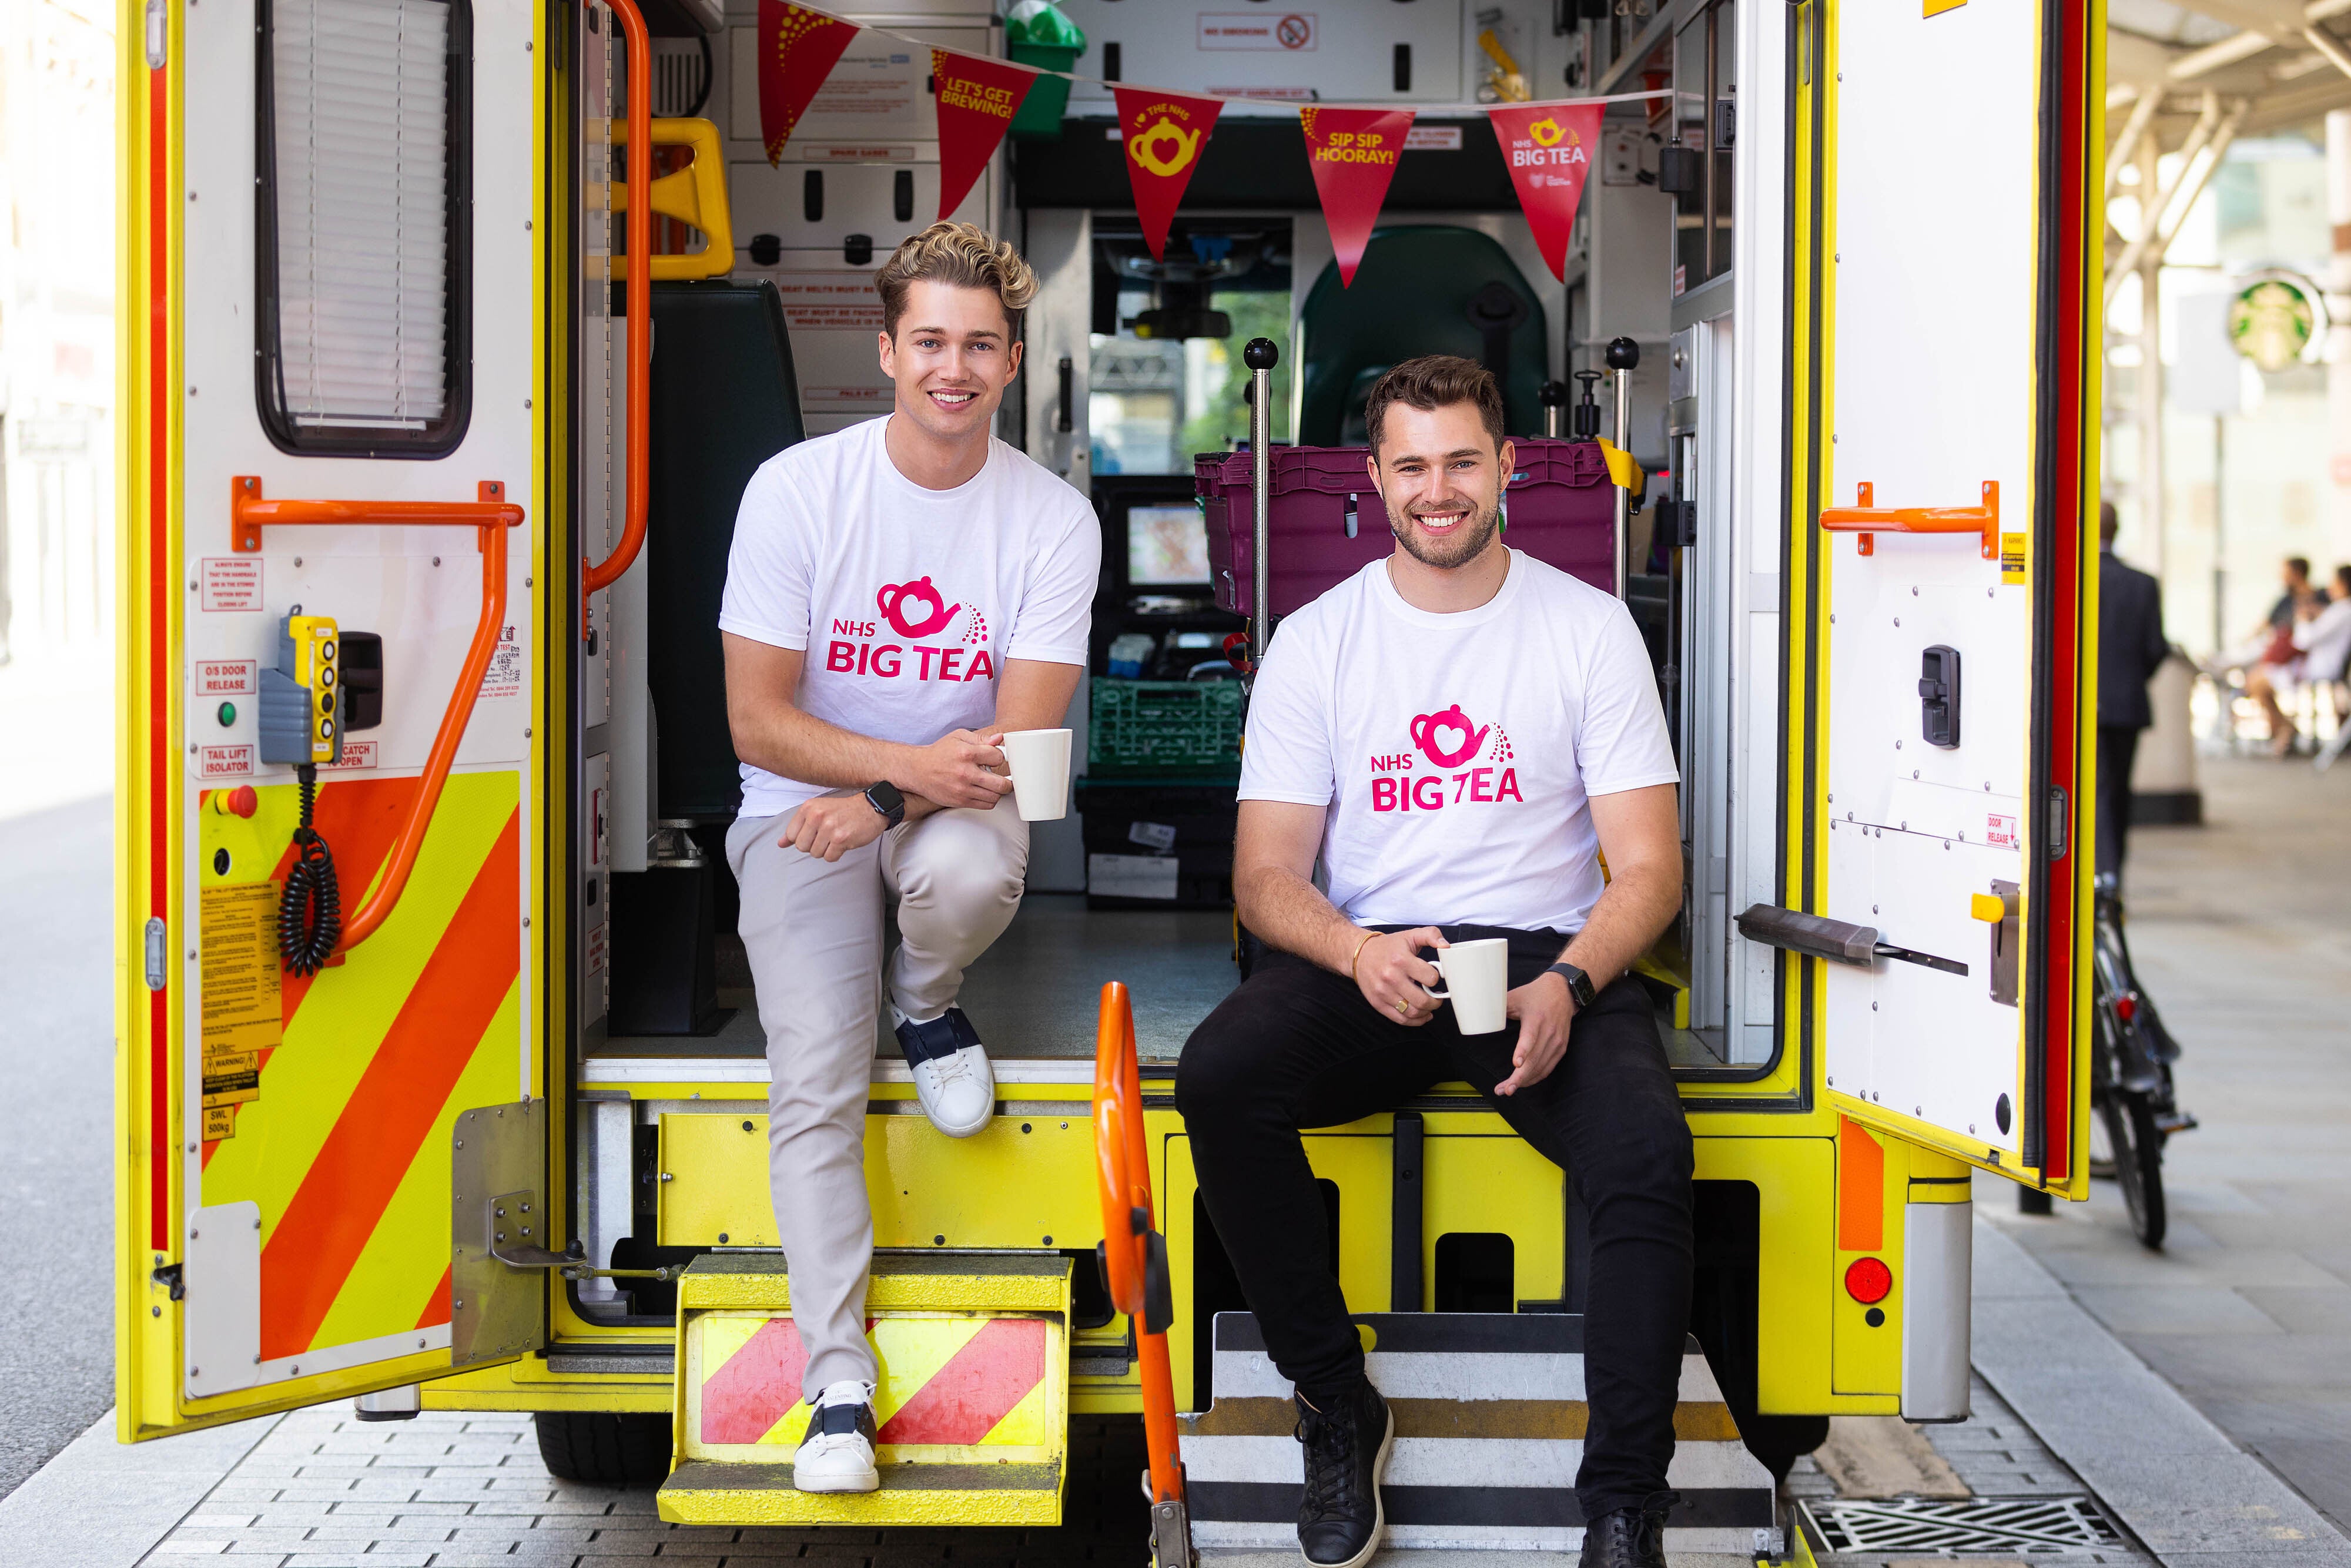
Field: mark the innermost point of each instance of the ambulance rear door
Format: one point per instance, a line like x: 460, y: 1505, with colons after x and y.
x: 1942, y: 571
x: 329, y: 316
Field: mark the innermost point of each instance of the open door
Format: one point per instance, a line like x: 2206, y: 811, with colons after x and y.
x: 334, y: 549
x: 1941, y: 794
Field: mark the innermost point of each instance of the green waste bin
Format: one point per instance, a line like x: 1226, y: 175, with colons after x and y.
x: 1038, y: 34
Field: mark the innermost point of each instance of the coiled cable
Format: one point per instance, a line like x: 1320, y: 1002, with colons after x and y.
x: 310, y: 910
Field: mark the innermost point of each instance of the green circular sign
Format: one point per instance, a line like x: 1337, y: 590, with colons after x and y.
x: 2274, y: 318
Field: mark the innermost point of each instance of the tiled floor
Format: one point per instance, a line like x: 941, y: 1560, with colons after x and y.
x: 2241, y: 935
x: 449, y: 1490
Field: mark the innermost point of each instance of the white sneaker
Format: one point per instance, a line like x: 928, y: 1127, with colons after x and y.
x: 837, y: 1454
x: 952, y: 1077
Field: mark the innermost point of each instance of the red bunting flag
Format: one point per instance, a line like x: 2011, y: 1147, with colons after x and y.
x: 1352, y: 152
x: 1549, y: 148
x: 1165, y: 134
x: 798, y: 50
x: 977, y: 98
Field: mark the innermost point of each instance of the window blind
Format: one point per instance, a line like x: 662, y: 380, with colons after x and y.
x: 361, y: 123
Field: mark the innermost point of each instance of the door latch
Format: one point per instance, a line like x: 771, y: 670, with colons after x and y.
x: 1938, y: 696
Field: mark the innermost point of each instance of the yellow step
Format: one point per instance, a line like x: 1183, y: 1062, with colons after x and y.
x: 973, y: 1402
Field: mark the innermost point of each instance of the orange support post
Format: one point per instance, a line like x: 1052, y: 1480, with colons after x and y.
x: 488, y: 518
x: 1130, y: 1225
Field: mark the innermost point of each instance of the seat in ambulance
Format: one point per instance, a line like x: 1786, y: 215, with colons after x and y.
x: 1433, y: 289
x: 725, y: 400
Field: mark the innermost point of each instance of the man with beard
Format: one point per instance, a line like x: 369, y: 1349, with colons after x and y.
x: 1459, y: 732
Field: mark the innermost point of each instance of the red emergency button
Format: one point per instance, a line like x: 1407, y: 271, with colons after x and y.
x: 1868, y: 1281
x: 240, y: 801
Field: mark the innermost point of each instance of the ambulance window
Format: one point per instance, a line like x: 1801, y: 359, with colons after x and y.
x: 361, y: 240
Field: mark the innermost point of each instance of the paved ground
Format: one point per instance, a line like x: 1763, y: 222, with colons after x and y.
x: 2240, y: 934
x: 56, y: 1199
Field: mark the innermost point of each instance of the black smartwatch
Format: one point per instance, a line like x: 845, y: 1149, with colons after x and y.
x: 1579, y: 983
x: 885, y: 798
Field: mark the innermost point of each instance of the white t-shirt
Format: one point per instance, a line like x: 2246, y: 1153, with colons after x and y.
x: 907, y: 601
x: 1456, y: 753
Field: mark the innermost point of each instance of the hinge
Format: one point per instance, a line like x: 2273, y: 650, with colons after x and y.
x: 169, y: 1277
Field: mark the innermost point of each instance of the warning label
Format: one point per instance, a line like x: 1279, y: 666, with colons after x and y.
x: 229, y: 583
x: 841, y: 300
x: 224, y: 677
x: 1432, y: 138
x: 504, y: 677
x: 224, y: 761
x: 1245, y: 30
x: 243, y: 1012
x: 2011, y: 558
x: 356, y: 754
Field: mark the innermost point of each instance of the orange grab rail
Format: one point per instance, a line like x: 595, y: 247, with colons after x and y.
x: 1865, y: 520
x: 487, y: 516
x: 639, y: 218
x: 1138, y: 1282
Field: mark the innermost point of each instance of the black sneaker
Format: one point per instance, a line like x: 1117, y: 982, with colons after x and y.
x: 1630, y: 1537
x: 1339, y: 1520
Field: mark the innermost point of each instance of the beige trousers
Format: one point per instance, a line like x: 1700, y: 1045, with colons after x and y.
x: 814, y: 934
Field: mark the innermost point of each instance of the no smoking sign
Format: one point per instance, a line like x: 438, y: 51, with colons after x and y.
x: 1289, y: 33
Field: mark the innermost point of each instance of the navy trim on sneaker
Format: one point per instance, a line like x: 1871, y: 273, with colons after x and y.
x: 943, y: 1036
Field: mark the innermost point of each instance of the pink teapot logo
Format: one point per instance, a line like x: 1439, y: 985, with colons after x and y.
x: 899, y: 603
x: 1427, y: 733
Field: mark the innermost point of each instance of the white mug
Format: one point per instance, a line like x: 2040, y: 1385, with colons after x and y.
x: 1477, y: 978
x: 1039, y: 761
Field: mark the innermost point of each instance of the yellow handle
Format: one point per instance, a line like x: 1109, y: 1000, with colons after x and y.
x: 695, y: 195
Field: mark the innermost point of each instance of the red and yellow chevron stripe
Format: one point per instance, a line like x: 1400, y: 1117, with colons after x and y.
x: 346, y: 1148
x: 950, y: 1381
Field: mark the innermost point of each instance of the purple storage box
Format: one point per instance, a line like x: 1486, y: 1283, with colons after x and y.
x: 1559, y: 508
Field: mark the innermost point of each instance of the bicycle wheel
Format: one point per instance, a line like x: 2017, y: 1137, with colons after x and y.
x: 2137, y: 1145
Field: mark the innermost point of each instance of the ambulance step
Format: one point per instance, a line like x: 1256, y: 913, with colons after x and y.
x: 1490, y: 1413
x: 973, y: 1404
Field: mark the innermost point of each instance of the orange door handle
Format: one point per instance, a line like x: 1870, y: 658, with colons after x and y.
x: 1866, y: 519
x: 249, y: 513
x: 597, y: 575
x: 1130, y: 1227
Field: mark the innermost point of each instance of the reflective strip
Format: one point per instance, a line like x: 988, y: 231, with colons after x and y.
x: 947, y: 1380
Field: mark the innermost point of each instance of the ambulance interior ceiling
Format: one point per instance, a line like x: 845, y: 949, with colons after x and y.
x: 1134, y: 365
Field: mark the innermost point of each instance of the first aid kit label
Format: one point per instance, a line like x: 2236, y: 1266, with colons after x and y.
x: 229, y: 584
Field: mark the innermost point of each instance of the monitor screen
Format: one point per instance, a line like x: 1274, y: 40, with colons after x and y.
x: 1167, y: 544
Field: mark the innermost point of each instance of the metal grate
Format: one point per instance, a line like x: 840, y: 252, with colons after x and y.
x: 2009, y: 1526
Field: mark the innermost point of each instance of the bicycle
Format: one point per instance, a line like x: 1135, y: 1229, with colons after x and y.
x: 2130, y: 1074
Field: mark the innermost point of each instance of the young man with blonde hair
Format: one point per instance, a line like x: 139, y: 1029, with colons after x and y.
x: 1456, y: 733
x: 899, y: 595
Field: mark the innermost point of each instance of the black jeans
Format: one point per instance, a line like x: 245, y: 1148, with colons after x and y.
x: 1297, y: 1046
x: 2118, y: 750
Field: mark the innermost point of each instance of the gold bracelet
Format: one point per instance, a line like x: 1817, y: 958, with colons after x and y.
x: 1359, y: 954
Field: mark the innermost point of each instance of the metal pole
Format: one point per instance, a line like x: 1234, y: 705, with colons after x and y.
x: 1711, y: 101
x: 1260, y: 356
x: 1554, y: 407
x: 1623, y: 357
x: 2151, y: 504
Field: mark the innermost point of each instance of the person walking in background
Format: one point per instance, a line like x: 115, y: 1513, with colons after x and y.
x: 2130, y: 649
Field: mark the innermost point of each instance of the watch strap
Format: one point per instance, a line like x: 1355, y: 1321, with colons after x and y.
x: 1579, y: 983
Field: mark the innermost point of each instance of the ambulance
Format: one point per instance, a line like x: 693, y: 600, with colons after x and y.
x: 450, y: 332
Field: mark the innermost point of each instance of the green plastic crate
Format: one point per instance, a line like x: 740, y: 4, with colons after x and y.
x: 1165, y: 729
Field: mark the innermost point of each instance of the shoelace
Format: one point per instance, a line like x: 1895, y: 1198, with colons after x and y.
x: 1329, y: 1485
x: 950, y: 1069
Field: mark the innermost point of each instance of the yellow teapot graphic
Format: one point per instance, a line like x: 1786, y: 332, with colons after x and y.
x: 1143, y: 142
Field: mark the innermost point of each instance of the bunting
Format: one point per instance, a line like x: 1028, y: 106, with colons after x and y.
x: 1165, y: 134
x: 1352, y: 154
x: 798, y: 50
x: 977, y: 98
x: 1549, y: 149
